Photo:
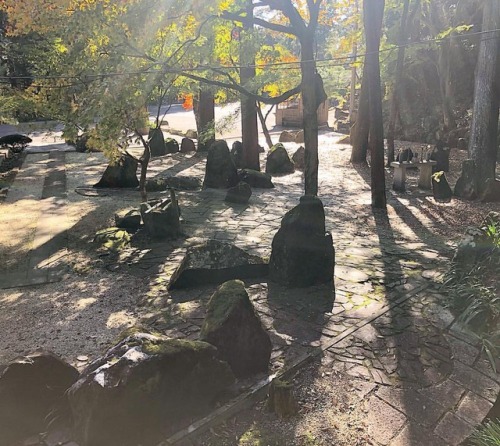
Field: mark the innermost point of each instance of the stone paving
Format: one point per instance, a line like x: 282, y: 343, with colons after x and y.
x: 424, y: 379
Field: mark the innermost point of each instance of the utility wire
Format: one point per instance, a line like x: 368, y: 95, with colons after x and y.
x: 83, y: 79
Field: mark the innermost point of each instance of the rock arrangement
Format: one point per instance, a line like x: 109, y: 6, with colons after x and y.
x: 171, y: 145
x: 220, y: 171
x: 216, y: 262
x: 234, y: 327
x: 299, y: 158
x: 123, y: 173
x: 278, y: 161
x: 302, y: 251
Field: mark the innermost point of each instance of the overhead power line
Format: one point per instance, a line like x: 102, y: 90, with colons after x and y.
x: 289, y: 65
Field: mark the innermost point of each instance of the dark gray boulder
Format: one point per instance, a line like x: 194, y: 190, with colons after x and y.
x: 15, y: 142
x: 121, y: 174
x: 178, y: 183
x: 234, y: 327
x: 157, y: 144
x: 172, y: 145
x: 240, y: 193
x: 220, y: 171
x: 128, y: 219
x: 256, y: 179
x: 31, y: 388
x: 187, y: 145
x: 145, y: 388
x: 278, y: 162
x: 216, y: 262
x: 299, y: 158
x: 237, y: 153
x: 302, y: 251
x: 441, y: 190
x: 162, y: 217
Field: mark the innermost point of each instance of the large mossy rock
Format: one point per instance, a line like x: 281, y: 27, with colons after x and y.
x: 256, y: 179
x: 172, y: 145
x: 239, y: 194
x: 32, y: 387
x: 441, y: 189
x: 234, y: 327
x: 278, y: 162
x: 220, y: 171
x: 144, y: 388
x: 216, y: 262
x: 123, y: 173
x: 157, y: 144
x: 178, y: 183
x: 302, y: 251
x: 113, y: 239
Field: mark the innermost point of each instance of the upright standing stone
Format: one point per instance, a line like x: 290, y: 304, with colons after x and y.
x: 187, y: 145
x: 278, y: 161
x: 157, y: 142
x: 441, y: 190
x: 237, y: 153
x: 220, y: 171
x: 234, y: 327
x: 302, y: 251
x: 123, y: 173
x: 299, y: 158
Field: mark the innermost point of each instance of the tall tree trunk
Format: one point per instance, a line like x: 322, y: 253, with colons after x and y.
x: 361, y: 128
x: 373, y: 17
x: 354, y: 75
x: 484, y: 130
x: 249, y: 128
x: 204, y: 112
x: 310, y: 101
x: 398, y: 77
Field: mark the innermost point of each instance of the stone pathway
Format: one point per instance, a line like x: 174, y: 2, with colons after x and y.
x: 424, y: 380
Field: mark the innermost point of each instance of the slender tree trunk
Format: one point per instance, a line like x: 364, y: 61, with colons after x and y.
x: 361, y: 128
x: 354, y: 75
x: 483, y: 144
x: 204, y: 112
x: 373, y: 17
x: 403, y: 33
x: 144, y: 162
x: 249, y: 128
x: 263, y: 124
x: 311, y: 103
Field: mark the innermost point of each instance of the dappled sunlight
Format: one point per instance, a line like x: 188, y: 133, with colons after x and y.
x: 84, y: 303
x: 120, y: 319
x: 10, y: 298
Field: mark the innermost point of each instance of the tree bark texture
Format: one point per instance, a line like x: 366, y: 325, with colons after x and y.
x: 373, y: 17
x: 249, y: 128
x: 310, y: 115
x: 484, y: 129
x: 204, y: 111
x: 361, y: 128
x: 398, y: 77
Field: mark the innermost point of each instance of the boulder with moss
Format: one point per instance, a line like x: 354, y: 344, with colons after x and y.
x: 254, y: 178
x: 278, y: 161
x: 234, y: 327
x: 121, y: 173
x: 32, y: 388
x: 145, y: 388
x: 172, y: 145
x: 213, y: 261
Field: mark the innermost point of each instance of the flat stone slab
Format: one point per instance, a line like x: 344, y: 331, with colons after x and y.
x: 216, y: 262
x: 351, y: 274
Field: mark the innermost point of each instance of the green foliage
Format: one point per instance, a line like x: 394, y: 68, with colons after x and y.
x: 488, y: 435
x: 473, y: 288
